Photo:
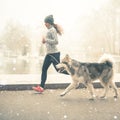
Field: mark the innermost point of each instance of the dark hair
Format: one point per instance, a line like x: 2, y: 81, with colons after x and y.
x: 58, y: 28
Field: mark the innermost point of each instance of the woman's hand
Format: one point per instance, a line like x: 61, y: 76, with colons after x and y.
x: 43, y: 40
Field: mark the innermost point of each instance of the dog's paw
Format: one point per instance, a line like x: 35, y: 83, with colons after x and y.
x: 115, y: 97
x: 91, y: 99
x: 103, y: 97
x: 62, y: 94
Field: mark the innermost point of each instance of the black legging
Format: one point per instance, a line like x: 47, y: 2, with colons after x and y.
x: 49, y: 59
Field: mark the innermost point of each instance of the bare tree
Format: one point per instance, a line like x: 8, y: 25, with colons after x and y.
x: 15, y: 38
x: 99, y: 30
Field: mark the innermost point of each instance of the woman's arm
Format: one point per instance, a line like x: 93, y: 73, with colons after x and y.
x: 51, y: 37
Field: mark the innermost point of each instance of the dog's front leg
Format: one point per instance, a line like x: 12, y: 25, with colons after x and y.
x: 71, y: 86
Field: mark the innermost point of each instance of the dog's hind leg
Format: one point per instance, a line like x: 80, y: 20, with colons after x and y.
x: 106, y: 76
x: 70, y: 87
x: 107, y: 80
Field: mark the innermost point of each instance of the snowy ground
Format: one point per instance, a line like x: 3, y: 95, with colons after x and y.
x: 29, y: 105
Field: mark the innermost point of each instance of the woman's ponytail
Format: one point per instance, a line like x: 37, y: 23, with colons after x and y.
x: 58, y: 29
x: 49, y: 19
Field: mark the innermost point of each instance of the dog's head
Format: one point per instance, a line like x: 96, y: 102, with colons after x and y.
x: 63, y: 65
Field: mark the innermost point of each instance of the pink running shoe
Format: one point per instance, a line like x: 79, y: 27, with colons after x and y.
x: 38, y: 89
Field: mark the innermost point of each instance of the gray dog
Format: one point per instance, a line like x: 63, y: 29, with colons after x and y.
x: 86, y: 73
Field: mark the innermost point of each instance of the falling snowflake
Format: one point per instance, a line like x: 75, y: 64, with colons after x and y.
x: 14, y: 69
x: 14, y: 61
x: 95, y: 109
x: 17, y: 114
x: 115, y: 99
x: 115, y: 117
x: 65, y: 116
x: 48, y: 112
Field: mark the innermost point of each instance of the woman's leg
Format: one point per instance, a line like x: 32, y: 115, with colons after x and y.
x: 46, y: 64
x: 55, y: 58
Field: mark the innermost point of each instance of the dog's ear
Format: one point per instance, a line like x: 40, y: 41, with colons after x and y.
x: 67, y: 56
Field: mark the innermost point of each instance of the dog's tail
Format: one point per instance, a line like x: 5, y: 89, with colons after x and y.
x: 108, y: 59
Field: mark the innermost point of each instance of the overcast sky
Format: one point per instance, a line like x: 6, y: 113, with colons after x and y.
x: 32, y: 12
